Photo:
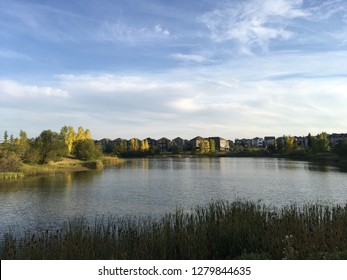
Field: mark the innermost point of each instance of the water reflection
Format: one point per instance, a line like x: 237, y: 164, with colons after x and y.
x: 157, y: 186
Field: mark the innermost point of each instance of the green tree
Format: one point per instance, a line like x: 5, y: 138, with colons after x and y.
x: 87, y: 150
x: 175, y: 149
x: 212, y: 146
x: 50, y: 146
x: 323, y: 142
x: 5, y: 137
x: 9, y: 161
x: 289, y: 144
x: 341, y: 149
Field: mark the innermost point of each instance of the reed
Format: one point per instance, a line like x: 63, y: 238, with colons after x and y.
x: 220, y: 230
x: 11, y: 175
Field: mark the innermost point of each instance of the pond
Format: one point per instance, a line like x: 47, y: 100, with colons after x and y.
x: 159, y: 185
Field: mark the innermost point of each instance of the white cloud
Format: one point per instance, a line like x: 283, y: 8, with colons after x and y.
x: 11, y: 88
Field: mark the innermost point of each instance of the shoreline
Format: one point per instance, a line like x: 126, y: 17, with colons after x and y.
x: 66, y: 165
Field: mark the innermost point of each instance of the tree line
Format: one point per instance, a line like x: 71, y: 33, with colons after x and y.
x: 48, y: 146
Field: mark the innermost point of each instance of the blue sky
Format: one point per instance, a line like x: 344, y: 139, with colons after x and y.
x: 131, y: 68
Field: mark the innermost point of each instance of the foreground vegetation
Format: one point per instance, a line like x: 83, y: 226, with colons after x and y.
x: 221, y: 230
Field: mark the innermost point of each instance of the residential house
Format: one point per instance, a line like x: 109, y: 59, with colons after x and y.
x: 163, y: 144
x: 221, y: 144
x: 269, y: 141
x: 195, y: 143
x: 106, y: 145
x: 180, y: 143
x: 336, y: 138
x: 301, y: 141
x: 151, y: 142
x: 243, y: 142
x: 257, y: 142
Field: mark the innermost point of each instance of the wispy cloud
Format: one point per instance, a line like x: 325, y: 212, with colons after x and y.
x: 253, y: 23
x: 120, y: 32
x: 188, y: 57
x: 9, y: 54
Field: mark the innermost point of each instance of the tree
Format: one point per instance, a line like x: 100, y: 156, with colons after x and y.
x: 88, y: 134
x: 68, y: 134
x: 9, y: 161
x: 212, y: 146
x: 341, y: 148
x: 323, y: 142
x: 5, y: 137
x: 50, y: 146
x: 122, y: 147
x: 144, y: 145
x: 86, y: 150
x: 134, y: 145
x: 81, y: 135
x: 289, y: 144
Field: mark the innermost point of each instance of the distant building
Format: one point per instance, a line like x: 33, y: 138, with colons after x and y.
x: 163, y: 144
x: 151, y: 142
x: 221, y: 144
x: 257, y: 142
x: 269, y: 141
x: 195, y: 143
x: 179, y: 143
x: 336, y: 138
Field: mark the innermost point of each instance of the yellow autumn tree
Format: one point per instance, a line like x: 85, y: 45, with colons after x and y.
x: 88, y: 134
x: 81, y: 135
x: 68, y: 134
x: 144, y: 145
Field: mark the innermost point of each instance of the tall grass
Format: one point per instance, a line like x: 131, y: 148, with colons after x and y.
x: 11, y: 175
x: 221, y: 230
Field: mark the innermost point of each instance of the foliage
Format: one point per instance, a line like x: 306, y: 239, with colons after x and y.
x: 341, y: 149
x: 220, y: 230
x: 9, y: 161
x: 134, y: 145
x: 86, y: 150
x: 50, y: 146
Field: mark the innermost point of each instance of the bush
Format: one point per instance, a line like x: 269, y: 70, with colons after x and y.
x: 341, y: 149
x: 9, y: 161
x: 86, y: 150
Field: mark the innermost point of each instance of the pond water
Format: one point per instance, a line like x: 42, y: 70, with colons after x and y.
x: 157, y: 186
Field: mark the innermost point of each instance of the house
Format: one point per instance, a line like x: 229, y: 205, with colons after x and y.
x: 243, y: 142
x: 151, y: 142
x: 221, y: 144
x: 121, y: 145
x: 257, y: 142
x: 301, y: 141
x: 179, y: 143
x: 336, y: 138
x: 195, y: 143
x: 163, y: 144
x: 106, y: 144
x: 269, y: 141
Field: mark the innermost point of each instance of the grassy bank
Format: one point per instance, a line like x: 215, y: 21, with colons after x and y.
x: 66, y: 165
x: 221, y: 230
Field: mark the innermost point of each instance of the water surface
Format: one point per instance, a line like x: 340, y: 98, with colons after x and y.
x: 158, y: 186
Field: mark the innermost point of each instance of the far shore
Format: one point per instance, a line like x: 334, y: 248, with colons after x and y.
x: 70, y: 164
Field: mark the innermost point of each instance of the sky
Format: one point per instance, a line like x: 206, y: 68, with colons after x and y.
x: 158, y: 68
